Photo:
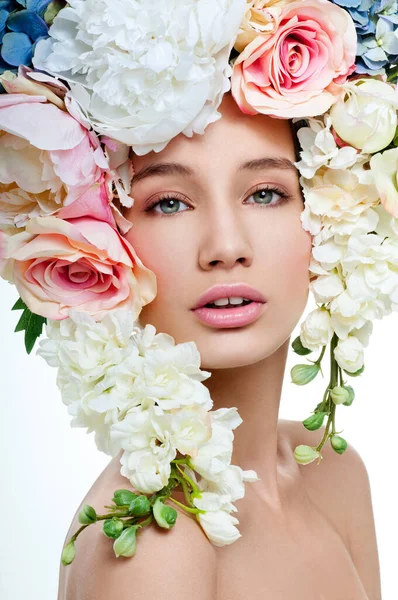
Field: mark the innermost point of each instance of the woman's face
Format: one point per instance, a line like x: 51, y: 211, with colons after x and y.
x: 223, y: 217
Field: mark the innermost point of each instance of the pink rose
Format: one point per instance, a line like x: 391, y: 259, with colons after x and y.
x: 82, y: 264
x: 297, y: 71
x: 49, y: 162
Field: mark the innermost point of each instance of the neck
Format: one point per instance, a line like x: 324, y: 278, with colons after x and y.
x: 255, y: 390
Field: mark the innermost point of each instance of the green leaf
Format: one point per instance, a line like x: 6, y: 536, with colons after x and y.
x: 299, y: 348
x: 30, y: 323
x: 356, y: 373
x: 19, y: 305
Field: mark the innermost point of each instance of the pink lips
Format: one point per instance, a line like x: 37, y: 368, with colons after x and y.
x: 230, y: 317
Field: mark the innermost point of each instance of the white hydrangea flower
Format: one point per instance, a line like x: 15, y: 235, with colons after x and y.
x: 351, y: 316
x: 370, y: 266
x: 319, y: 148
x: 85, y: 347
x: 151, y: 439
x: 326, y: 287
x: 230, y: 481
x: 148, y: 447
x: 217, y: 522
x: 349, y: 354
x: 146, y: 338
x: 143, y: 72
x: 336, y: 203
x: 174, y: 377
x: 215, y: 456
x: 317, y: 329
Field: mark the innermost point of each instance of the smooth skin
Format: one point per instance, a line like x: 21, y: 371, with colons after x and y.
x: 226, y: 208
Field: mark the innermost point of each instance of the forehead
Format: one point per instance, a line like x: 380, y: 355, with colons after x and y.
x: 229, y: 141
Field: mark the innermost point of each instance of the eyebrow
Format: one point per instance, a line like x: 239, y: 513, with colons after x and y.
x: 164, y: 169
x: 268, y: 163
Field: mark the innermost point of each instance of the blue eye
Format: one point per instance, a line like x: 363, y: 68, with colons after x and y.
x: 264, y: 196
x: 171, y: 204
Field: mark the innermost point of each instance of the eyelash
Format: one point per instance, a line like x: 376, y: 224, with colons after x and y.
x: 174, y: 196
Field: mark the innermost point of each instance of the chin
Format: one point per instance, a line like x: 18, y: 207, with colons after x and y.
x: 236, y: 348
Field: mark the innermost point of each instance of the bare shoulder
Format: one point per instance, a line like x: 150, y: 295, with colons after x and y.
x: 340, y: 487
x: 164, y: 559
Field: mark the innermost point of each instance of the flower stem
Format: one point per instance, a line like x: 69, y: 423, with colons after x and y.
x: 334, y: 373
x: 193, y: 511
x: 318, y: 361
x: 186, y: 492
x: 190, y: 481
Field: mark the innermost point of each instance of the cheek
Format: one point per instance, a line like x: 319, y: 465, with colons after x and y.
x: 287, y: 249
x: 168, y: 254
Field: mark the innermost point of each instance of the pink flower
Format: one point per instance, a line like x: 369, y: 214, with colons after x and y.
x: 298, y: 71
x: 49, y: 162
x: 3, y: 247
x: 82, y: 264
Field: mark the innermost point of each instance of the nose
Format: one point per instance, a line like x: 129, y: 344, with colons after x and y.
x: 226, y: 239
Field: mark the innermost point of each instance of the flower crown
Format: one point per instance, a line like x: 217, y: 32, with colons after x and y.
x: 87, y: 83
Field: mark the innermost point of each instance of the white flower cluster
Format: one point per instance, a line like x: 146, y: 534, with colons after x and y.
x: 351, y: 211
x: 143, y: 72
x: 142, y: 394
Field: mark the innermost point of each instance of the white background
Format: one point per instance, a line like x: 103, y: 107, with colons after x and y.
x: 47, y: 467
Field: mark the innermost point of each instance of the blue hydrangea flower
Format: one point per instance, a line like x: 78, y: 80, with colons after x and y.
x: 376, y: 23
x: 21, y: 27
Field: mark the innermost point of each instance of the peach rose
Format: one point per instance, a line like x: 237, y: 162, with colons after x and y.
x: 262, y: 16
x: 81, y: 264
x: 3, y: 246
x: 299, y: 70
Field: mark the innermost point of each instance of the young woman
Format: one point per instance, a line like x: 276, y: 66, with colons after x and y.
x: 222, y: 212
x: 216, y: 253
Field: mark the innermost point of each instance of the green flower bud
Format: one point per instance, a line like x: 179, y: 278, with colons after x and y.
x: 339, y: 394
x: 352, y: 395
x: 123, y: 497
x: 113, y: 527
x: 139, y: 506
x: 126, y: 543
x: 339, y: 444
x: 315, y: 421
x: 299, y: 348
x: 304, y: 455
x: 303, y: 374
x: 355, y: 373
x: 87, y: 515
x: 165, y: 516
x: 68, y: 554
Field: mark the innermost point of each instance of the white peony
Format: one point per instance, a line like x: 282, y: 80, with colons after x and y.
x: 317, y: 329
x: 217, y: 522
x: 143, y: 72
x: 384, y: 168
x: 366, y: 115
x: 387, y: 225
x: 349, y: 354
x: 319, y: 148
